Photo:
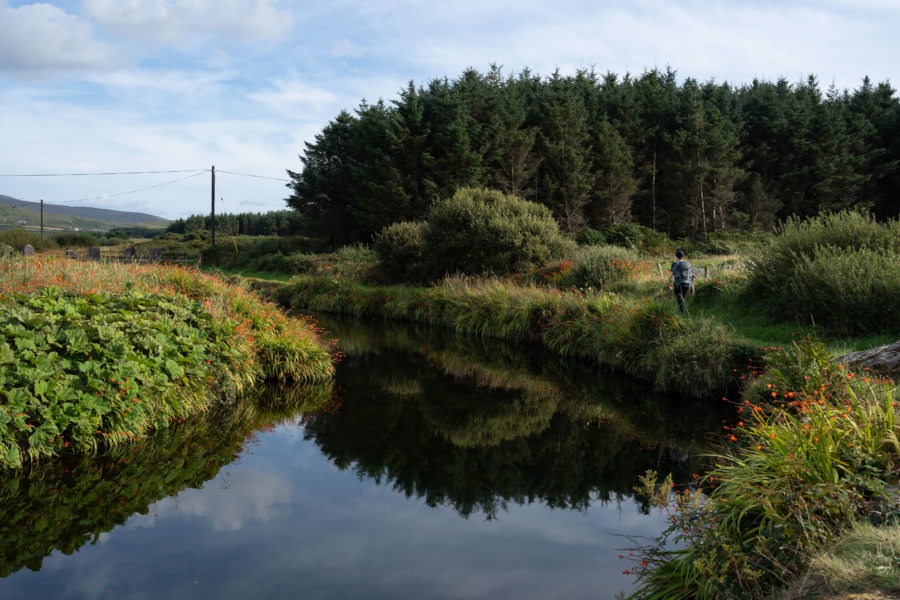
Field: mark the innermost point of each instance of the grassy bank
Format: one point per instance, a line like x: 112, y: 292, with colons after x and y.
x: 96, y: 355
x: 815, y: 458
x: 639, y: 336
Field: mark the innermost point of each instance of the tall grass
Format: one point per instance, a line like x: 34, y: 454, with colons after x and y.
x: 639, y: 336
x: 865, y: 559
x: 821, y: 452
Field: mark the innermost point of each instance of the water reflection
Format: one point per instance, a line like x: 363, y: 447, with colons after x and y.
x: 66, y: 504
x: 478, y: 424
x: 494, y: 433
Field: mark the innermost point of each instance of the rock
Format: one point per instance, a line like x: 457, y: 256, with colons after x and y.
x: 883, y: 359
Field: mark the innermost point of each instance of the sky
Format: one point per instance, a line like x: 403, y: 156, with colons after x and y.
x: 176, y: 87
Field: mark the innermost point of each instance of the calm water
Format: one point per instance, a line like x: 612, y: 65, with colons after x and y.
x: 430, y: 468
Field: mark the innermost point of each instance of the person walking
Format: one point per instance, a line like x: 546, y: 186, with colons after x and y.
x: 681, y: 279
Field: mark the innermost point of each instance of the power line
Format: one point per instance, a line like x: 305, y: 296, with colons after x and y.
x: 194, y: 173
x: 140, y: 189
x: 137, y: 173
x: 93, y: 174
x: 249, y: 175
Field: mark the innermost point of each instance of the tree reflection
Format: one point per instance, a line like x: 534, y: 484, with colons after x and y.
x: 476, y: 425
x: 67, y: 503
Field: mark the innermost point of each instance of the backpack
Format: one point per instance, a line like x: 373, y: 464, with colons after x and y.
x: 682, y: 273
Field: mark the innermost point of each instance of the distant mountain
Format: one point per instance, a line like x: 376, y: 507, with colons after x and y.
x: 96, y: 214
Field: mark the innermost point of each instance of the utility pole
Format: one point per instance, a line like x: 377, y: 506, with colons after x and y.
x: 42, y: 219
x: 213, y: 201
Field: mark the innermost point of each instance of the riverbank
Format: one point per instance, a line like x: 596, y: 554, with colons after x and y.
x: 95, y: 355
x: 642, y: 337
x: 809, y: 462
x: 811, y: 466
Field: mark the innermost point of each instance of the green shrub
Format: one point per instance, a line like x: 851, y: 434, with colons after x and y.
x: 272, y: 253
x: 399, y: 249
x: 485, y: 231
x: 849, y: 291
x: 626, y: 235
x: 839, y: 271
x: 81, y: 240
x: 598, y: 266
x: 18, y: 238
x: 198, y: 234
x: 590, y: 237
x: 93, y: 356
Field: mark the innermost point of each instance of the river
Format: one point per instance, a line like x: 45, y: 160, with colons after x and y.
x: 431, y: 467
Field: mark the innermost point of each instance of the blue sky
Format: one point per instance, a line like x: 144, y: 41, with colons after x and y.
x: 99, y: 86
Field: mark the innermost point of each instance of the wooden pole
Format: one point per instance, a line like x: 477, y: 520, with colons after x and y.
x: 213, y: 201
x: 42, y: 219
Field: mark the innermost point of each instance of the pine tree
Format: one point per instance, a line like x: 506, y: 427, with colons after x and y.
x: 614, y: 182
x: 410, y: 134
x: 510, y: 160
x: 379, y: 197
x: 323, y: 190
x: 565, y: 147
x: 705, y: 170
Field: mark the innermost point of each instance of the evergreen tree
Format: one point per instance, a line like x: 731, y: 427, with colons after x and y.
x: 510, y: 160
x: 380, y: 198
x: 323, y: 190
x: 614, y: 183
x: 565, y: 146
x: 683, y: 159
x: 647, y: 119
x: 454, y: 161
x: 705, y: 171
x: 874, y: 115
x: 412, y: 159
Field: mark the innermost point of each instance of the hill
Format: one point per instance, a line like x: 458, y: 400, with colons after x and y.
x: 13, y: 212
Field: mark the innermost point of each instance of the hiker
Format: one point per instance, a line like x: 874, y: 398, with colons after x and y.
x: 681, y: 279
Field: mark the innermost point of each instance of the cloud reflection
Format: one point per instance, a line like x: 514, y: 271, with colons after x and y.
x: 231, y: 501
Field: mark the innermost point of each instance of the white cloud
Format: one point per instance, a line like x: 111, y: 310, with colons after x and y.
x: 344, y: 49
x: 39, y: 39
x: 296, y: 99
x: 183, y: 84
x: 180, y: 21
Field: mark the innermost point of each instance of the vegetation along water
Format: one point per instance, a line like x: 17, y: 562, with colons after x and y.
x: 811, y: 454
x: 545, y: 212
x: 93, y: 355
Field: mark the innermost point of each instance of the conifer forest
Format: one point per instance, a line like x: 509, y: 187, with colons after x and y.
x: 687, y: 159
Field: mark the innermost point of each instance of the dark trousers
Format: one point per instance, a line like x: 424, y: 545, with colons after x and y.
x: 682, y: 290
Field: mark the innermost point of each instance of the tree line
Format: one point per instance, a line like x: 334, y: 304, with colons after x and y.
x: 685, y: 159
x: 278, y: 222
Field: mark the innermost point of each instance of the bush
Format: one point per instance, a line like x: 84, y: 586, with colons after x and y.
x: 485, y: 231
x: 626, y: 235
x: 18, y: 238
x: 840, y: 270
x: 598, y: 266
x: 848, y: 292
x: 81, y: 240
x: 815, y: 451
x: 590, y: 237
x: 399, y: 249
x: 271, y: 253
